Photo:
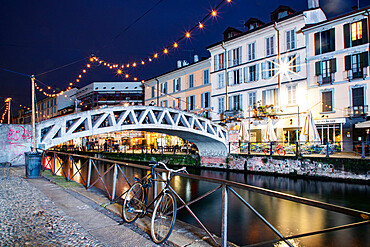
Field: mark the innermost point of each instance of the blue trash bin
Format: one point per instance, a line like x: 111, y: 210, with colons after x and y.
x: 33, y: 164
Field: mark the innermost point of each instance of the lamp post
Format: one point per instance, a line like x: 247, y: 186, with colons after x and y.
x: 33, y: 114
x: 9, y: 101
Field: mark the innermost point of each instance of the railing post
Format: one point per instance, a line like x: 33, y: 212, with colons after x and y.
x: 327, y: 149
x: 114, y: 182
x: 229, y: 147
x: 133, y: 149
x: 363, y: 150
x: 69, y: 165
x: 54, y: 156
x: 89, y: 175
x: 162, y: 149
x: 155, y: 188
x: 270, y: 148
x: 249, y: 148
x: 224, y: 216
x: 296, y: 149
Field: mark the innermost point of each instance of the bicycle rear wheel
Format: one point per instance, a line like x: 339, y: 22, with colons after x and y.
x: 281, y: 152
x: 133, y: 205
x: 163, y: 218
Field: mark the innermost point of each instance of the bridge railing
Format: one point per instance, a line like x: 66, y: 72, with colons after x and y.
x: 63, y: 163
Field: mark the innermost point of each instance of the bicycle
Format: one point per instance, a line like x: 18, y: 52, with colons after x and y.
x: 279, y: 150
x: 136, y: 204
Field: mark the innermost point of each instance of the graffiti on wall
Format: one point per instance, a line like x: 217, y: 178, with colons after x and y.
x: 17, y: 141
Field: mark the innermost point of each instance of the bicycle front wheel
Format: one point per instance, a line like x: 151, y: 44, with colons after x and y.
x: 163, y: 218
x: 133, y: 205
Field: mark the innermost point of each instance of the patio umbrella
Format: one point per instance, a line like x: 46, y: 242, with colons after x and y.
x: 243, y: 132
x: 309, y: 131
x: 269, y: 133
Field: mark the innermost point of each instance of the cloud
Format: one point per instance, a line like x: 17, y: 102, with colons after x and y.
x: 336, y: 6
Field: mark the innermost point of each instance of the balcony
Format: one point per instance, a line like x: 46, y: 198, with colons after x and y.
x: 359, y: 73
x: 357, y: 111
x: 329, y: 79
x: 266, y: 111
x: 233, y: 114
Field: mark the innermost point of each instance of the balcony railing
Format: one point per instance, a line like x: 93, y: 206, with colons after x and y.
x: 233, y: 114
x: 325, y: 79
x: 357, y: 111
x: 356, y: 74
x: 266, y: 111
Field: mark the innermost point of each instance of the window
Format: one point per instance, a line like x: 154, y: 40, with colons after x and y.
x: 251, y: 51
x: 235, y: 56
x: 251, y: 73
x: 177, y: 84
x: 206, y: 100
x: 177, y: 103
x: 190, y: 102
x: 325, y: 41
x: 356, y: 65
x: 290, y: 40
x: 221, y: 105
x: 55, y: 101
x: 221, y: 80
x: 235, y: 77
x: 292, y: 98
x: 270, y: 46
x: 205, y: 77
x: 153, y: 91
x: 355, y: 33
x: 164, y: 103
x: 358, y: 101
x: 191, y: 81
x: 294, y: 63
x: 268, y: 69
x: 236, y: 102
x: 164, y: 88
x: 270, y: 97
x: 219, y: 61
x: 325, y: 70
x: 327, y: 101
x: 252, y: 100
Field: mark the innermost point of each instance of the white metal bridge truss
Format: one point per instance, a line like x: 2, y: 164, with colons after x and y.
x: 210, y: 138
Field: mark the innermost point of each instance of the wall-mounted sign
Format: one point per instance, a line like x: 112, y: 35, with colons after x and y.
x: 330, y: 120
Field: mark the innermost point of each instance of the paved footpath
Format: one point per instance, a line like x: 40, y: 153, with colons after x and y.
x: 36, y: 212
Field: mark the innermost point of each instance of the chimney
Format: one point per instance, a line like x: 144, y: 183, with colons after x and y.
x: 312, y: 4
x: 184, y: 63
x: 196, y: 58
x: 179, y: 63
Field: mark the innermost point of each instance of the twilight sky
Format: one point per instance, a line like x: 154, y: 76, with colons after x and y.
x: 38, y: 36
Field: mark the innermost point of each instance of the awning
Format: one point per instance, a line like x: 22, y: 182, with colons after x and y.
x: 365, y: 124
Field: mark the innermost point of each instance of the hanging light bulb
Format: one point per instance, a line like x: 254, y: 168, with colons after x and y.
x: 88, y: 65
x: 150, y: 59
x: 142, y: 62
x: 79, y: 76
x: 135, y: 79
x: 214, y: 13
x: 126, y: 75
x: 70, y: 83
x: 175, y: 45
x: 128, y: 65
x: 134, y: 65
x: 165, y: 51
x: 119, y: 71
x: 84, y: 71
x: 187, y: 35
x: 49, y: 87
x: 200, y: 25
x: 156, y: 55
x: 77, y: 80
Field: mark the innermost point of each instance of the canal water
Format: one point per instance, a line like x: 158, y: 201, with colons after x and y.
x: 245, y: 228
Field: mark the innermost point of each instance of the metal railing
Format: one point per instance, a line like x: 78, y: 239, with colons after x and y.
x: 53, y: 159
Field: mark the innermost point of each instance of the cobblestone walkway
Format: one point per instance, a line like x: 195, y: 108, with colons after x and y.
x: 29, y: 218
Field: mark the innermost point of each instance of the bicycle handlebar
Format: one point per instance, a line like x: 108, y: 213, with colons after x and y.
x: 183, y: 169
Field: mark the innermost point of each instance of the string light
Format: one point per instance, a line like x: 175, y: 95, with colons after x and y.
x: 166, y: 50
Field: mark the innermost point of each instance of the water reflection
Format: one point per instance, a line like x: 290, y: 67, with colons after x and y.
x: 289, y: 218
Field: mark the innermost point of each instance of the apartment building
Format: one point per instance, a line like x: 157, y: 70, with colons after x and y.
x: 50, y: 107
x: 260, y: 73
x: 186, y: 88
x: 338, y: 76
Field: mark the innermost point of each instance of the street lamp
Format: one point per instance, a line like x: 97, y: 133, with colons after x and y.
x: 8, y: 100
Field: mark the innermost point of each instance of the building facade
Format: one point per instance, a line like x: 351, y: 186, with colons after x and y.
x: 261, y: 73
x: 50, y: 107
x: 187, y: 88
x: 99, y: 94
x: 338, y: 78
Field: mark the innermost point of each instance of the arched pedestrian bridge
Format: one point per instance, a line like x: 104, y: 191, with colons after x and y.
x: 210, y: 138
